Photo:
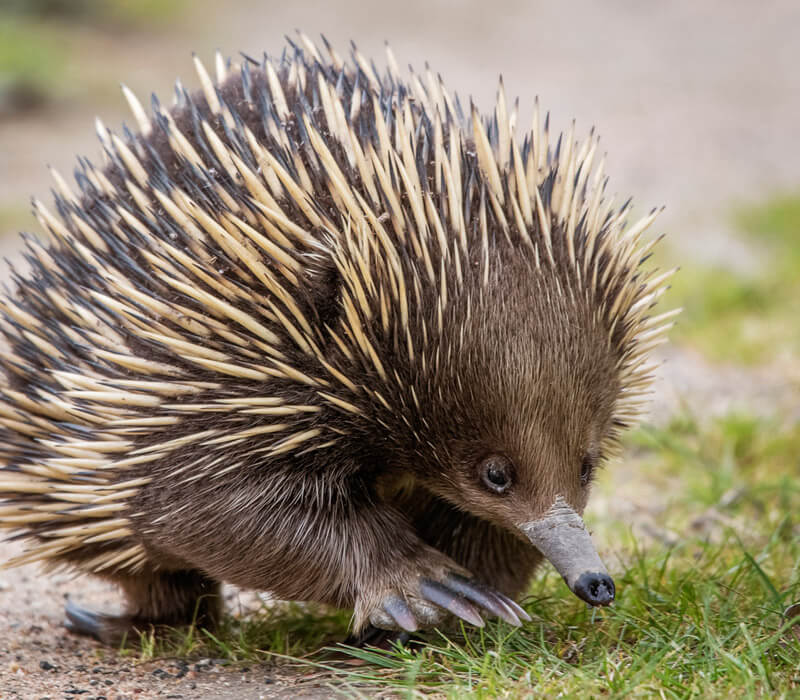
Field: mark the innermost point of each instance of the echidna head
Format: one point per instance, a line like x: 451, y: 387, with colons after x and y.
x: 521, y: 410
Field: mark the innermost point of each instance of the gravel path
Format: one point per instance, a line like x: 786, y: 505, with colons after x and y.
x: 697, y: 105
x: 39, y: 658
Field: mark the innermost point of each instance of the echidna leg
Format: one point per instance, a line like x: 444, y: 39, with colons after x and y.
x: 157, y: 599
x: 430, y: 583
x: 495, y: 557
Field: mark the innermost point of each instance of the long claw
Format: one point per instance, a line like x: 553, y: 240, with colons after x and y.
x: 510, y: 615
x: 399, y: 611
x: 483, y: 596
x: 82, y: 621
x: 516, y: 607
x: 445, y: 598
x: 109, y: 629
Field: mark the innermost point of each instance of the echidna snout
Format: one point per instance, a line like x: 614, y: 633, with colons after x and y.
x: 562, y: 538
x: 595, y: 588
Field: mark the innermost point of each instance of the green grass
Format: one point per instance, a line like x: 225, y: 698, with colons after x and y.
x: 33, y: 62
x: 43, y: 54
x: 117, y: 13
x: 701, y: 618
x: 747, y: 318
x: 776, y: 221
x: 283, y: 629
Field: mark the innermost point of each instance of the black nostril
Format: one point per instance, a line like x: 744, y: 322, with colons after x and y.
x: 595, y: 589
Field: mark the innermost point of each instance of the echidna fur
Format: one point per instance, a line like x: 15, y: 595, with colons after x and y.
x: 269, y: 339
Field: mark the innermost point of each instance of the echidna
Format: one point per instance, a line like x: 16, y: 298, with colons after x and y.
x: 316, y: 331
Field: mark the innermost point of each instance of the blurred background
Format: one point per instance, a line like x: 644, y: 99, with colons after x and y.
x: 698, y: 108
x: 697, y: 105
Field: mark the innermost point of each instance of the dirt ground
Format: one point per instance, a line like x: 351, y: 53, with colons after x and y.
x: 697, y: 105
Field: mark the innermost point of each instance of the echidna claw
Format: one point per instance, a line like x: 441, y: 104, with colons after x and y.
x: 516, y: 607
x: 492, y: 601
x: 450, y: 600
x: 399, y: 611
x: 108, y: 629
x: 82, y: 621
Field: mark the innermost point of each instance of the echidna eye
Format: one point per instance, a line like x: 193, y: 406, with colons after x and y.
x: 587, y: 468
x: 496, y: 472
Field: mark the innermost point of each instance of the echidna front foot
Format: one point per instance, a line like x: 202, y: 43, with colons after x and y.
x: 167, y: 599
x: 426, y: 599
